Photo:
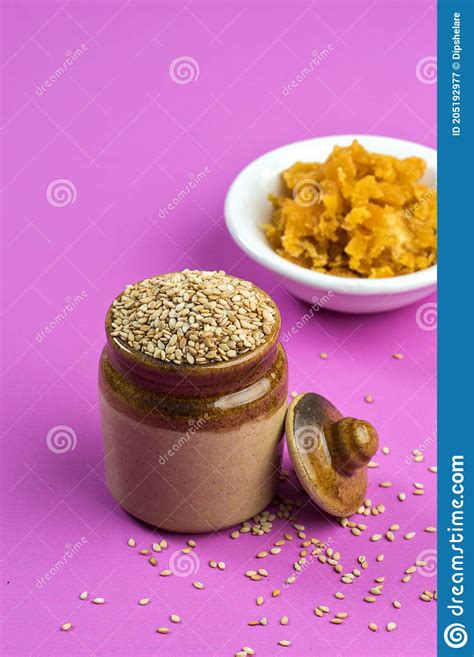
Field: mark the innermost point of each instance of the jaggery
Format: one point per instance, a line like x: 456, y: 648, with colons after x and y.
x: 357, y: 214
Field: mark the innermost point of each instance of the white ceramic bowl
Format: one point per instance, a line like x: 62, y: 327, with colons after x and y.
x: 247, y: 207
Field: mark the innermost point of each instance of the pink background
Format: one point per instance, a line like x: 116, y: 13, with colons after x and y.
x: 128, y: 137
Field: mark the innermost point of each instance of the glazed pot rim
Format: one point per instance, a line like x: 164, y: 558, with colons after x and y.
x: 149, y: 372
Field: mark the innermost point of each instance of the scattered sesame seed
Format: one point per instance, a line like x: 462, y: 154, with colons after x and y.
x: 373, y: 627
x: 163, y: 630
x: 131, y: 542
x: 144, y: 601
x: 174, y: 618
x: 402, y: 497
x: 430, y: 530
x: 84, y: 595
x: 98, y: 601
x: 398, y: 356
x: 212, y: 563
x: 375, y: 537
x: 409, y: 535
x: 379, y: 557
x: 235, y: 534
x: 386, y: 450
x: 433, y: 468
x: 65, y: 627
x: 284, y: 620
x: 284, y: 643
x: 336, y: 621
x: 385, y: 484
x: 369, y: 399
x: 198, y: 585
x: 323, y: 355
x: 165, y: 573
x: 391, y: 626
x: 397, y: 604
x: 276, y: 593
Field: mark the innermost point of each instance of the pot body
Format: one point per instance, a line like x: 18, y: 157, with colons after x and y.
x: 193, y: 449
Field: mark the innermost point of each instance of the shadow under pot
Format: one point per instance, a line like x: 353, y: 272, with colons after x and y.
x: 193, y: 448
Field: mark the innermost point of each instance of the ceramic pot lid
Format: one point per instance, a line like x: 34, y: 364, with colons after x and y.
x: 329, y: 453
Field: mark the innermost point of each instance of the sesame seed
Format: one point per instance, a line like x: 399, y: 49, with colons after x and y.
x: 373, y: 627
x: 192, y: 543
x: 375, y: 537
x: 131, y: 542
x: 397, y: 356
x: 409, y: 535
x: 276, y: 593
x: 385, y: 484
x: 402, y: 496
x: 174, y: 618
x: 336, y: 621
x: 163, y: 630
x: 391, y: 626
x: 433, y: 468
x: 323, y: 355
x: 369, y: 399
x: 144, y: 601
x: 84, y: 595
x: 65, y: 627
x: 397, y: 604
x: 385, y: 450
x: 198, y: 585
x: 98, y: 601
x: 284, y: 642
x: 284, y: 620
x: 430, y: 530
x: 165, y: 573
x: 379, y: 557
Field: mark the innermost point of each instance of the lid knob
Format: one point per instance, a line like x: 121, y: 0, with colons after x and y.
x: 352, y: 443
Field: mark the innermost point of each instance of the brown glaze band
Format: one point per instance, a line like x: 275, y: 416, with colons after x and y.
x: 249, y: 398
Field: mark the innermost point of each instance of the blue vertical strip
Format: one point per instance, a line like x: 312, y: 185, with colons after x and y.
x: 455, y: 327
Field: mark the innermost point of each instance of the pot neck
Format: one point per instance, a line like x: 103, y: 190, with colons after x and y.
x: 193, y: 380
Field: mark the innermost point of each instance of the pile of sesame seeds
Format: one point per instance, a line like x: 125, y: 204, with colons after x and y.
x: 193, y: 317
